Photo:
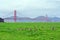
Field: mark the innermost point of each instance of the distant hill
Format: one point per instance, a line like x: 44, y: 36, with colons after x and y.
x: 37, y: 19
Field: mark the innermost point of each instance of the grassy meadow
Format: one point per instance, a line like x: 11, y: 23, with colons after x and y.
x: 30, y: 31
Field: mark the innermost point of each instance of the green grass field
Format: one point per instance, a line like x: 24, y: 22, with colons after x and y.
x: 30, y: 31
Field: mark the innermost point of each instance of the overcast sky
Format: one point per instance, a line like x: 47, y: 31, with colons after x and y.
x: 30, y: 8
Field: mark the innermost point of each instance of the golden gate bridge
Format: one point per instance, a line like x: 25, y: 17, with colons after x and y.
x: 15, y: 16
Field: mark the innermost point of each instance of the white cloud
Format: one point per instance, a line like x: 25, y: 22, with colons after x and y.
x: 27, y: 4
x: 6, y: 4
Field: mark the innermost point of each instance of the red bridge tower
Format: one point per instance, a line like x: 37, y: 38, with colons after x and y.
x: 14, y: 15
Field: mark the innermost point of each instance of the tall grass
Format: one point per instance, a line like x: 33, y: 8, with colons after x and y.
x: 30, y: 31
